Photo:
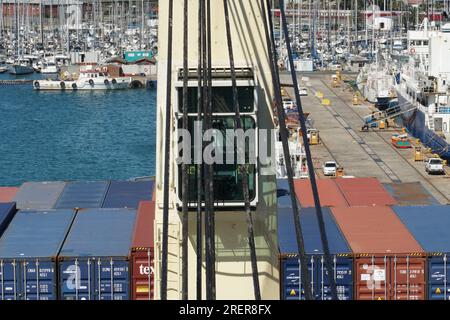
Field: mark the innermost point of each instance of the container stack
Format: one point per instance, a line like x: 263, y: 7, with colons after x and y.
x: 394, y: 252
x: 77, y: 241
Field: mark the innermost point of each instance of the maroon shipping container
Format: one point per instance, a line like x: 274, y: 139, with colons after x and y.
x: 329, y: 193
x: 365, y: 192
x: 7, y: 194
x: 142, y: 252
x: 389, y: 263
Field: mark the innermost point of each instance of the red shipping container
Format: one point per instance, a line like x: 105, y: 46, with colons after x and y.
x: 142, y: 252
x: 389, y: 263
x: 365, y: 192
x: 329, y: 193
x: 7, y: 194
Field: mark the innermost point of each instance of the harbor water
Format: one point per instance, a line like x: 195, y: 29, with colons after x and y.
x: 47, y: 136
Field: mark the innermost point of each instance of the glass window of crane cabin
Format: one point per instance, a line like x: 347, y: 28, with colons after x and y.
x: 222, y: 100
x: 227, y: 179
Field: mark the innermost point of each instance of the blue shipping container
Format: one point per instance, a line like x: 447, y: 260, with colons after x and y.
x: 82, y: 194
x: 283, y: 194
x: 28, y: 251
x: 7, y: 212
x: 95, y: 256
x: 291, y: 288
x: 128, y: 194
x: 38, y: 195
x: 430, y: 226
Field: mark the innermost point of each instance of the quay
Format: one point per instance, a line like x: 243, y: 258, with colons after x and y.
x: 361, y: 154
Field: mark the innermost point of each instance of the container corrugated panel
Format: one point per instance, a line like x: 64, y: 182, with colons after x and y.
x: 28, y: 251
x: 290, y: 267
x: 283, y: 194
x: 389, y: 263
x: 430, y: 226
x: 127, y: 194
x: 329, y: 193
x: 365, y: 192
x: 38, y: 195
x: 410, y: 194
x: 7, y: 194
x: 142, y: 252
x: 7, y: 212
x: 83, y: 194
x: 95, y: 259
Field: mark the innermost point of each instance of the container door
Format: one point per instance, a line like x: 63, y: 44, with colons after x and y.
x: 39, y: 280
x: 9, y: 280
x: 143, y: 275
x: 343, y: 275
x: 407, y: 278
x: 438, y: 282
x: 77, y: 279
x: 292, y: 285
x: 372, y: 278
x: 112, y: 279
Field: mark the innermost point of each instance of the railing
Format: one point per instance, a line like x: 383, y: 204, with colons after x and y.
x: 443, y: 110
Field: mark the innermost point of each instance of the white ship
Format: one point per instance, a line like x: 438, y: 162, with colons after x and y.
x: 423, y: 91
x: 88, y: 80
x: 377, y: 84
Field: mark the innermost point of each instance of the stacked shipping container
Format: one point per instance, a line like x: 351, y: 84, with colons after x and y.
x: 7, y: 212
x: 430, y: 226
x: 28, y: 251
x: 81, y: 194
x: 94, y: 263
x: 389, y: 263
x: 289, y: 261
x: 7, y: 194
x: 142, y: 252
x: 38, y: 195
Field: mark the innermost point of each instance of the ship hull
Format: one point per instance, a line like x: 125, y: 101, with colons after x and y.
x: 18, y: 70
x: 414, y: 121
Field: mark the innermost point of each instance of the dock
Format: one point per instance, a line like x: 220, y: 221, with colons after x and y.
x: 361, y: 154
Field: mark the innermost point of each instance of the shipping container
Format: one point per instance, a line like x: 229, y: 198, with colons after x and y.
x: 430, y: 226
x: 28, y: 254
x: 291, y: 287
x: 410, y: 194
x: 7, y: 212
x: 389, y: 263
x: 7, y: 194
x: 82, y: 194
x: 94, y: 263
x: 329, y: 193
x: 38, y: 195
x: 364, y: 192
x: 142, y: 252
x: 127, y: 194
x: 283, y: 194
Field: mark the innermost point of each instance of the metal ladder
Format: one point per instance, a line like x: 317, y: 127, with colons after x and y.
x: 174, y: 265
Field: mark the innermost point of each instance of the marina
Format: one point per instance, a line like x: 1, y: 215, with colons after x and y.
x: 224, y: 150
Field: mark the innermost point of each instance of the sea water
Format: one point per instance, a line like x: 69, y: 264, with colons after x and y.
x: 95, y: 135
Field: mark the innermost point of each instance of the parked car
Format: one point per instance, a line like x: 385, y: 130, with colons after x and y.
x: 434, y: 165
x: 330, y: 168
x: 303, y: 91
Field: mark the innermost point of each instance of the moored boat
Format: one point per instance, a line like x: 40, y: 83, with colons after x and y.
x: 87, y: 80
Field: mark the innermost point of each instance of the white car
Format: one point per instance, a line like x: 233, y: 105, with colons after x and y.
x: 288, y: 104
x: 434, y: 165
x: 330, y: 168
x: 303, y: 91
